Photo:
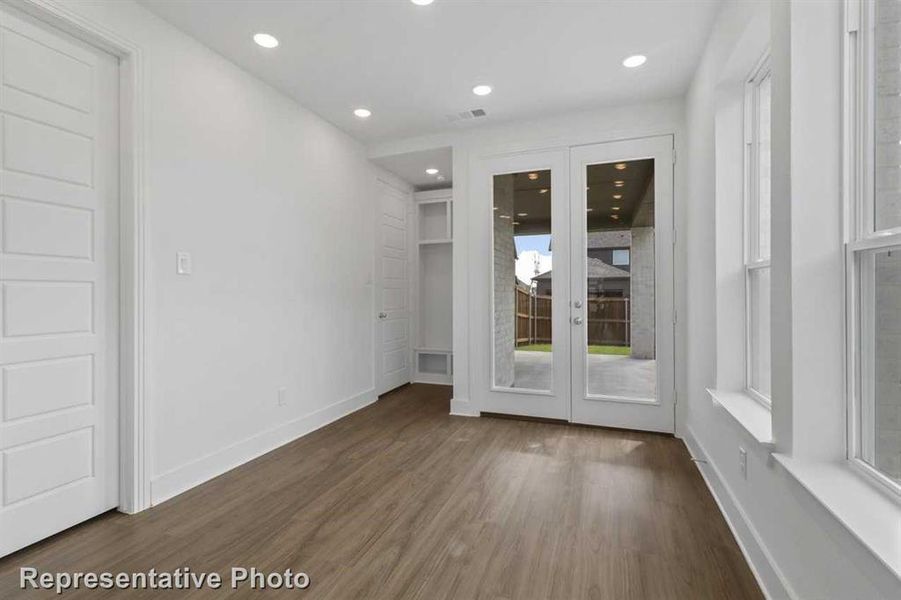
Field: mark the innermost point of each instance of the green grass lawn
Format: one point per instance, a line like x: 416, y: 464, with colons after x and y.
x: 616, y: 350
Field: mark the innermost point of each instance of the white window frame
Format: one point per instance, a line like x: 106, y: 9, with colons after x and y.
x: 862, y: 240
x: 752, y: 263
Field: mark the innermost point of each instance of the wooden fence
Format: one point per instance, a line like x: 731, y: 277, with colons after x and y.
x: 608, y: 320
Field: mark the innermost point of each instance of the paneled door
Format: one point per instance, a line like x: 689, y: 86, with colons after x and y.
x: 392, y: 290
x: 59, y: 281
x: 622, y: 284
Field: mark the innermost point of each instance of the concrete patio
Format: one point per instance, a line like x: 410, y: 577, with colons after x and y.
x: 607, y: 374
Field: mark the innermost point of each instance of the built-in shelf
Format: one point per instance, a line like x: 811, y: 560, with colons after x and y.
x: 433, y: 357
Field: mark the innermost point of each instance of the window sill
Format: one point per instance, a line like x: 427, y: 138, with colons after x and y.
x: 862, y: 508
x: 753, y: 417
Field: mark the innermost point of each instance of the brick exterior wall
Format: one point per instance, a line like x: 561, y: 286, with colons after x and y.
x: 642, y: 294
x: 504, y: 282
x: 888, y: 364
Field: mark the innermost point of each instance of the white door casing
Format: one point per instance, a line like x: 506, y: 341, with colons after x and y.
x: 392, y: 291
x: 59, y: 281
x: 657, y: 414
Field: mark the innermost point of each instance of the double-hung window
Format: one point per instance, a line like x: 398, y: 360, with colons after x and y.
x: 757, y: 231
x: 873, y: 235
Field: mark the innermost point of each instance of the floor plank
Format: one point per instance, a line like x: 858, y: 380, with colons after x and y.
x: 401, y: 500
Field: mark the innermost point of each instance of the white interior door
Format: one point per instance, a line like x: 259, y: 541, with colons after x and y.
x: 622, y: 284
x: 59, y: 279
x: 522, y: 288
x: 392, y: 290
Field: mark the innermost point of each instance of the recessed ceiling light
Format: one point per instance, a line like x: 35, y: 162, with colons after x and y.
x: 363, y: 113
x: 636, y: 60
x: 533, y: 176
x: 481, y: 90
x: 431, y: 171
x: 516, y: 222
x: 495, y: 208
x: 522, y: 214
x: 542, y: 191
x: 619, y: 183
x: 620, y: 166
x: 505, y: 216
x: 617, y: 196
x: 422, y: 2
x: 589, y: 209
x: 615, y: 207
x: 265, y: 40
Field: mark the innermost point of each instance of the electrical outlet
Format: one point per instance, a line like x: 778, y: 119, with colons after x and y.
x: 743, y: 462
x: 282, y: 396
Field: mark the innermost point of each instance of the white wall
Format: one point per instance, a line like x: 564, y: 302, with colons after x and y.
x: 276, y: 206
x: 795, y: 545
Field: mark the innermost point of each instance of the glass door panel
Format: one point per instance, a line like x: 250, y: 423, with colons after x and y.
x: 622, y: 284
x: 525, y: 361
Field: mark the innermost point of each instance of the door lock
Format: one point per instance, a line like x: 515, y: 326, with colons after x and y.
x: 383, y: 315
x: 577, y: 320
x: 577, y: 304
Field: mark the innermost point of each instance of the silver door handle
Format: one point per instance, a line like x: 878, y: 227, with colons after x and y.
x: 577, y: 320
x: 383, y: 315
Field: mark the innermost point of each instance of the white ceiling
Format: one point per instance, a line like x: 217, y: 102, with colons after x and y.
x: 414, y: 65
x: 411, y: 167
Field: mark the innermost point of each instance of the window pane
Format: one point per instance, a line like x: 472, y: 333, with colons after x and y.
x: 887, y: 193
x: 759, y: 330
x: 881, y: 391
x: 620, y: 280
x: 523, y: 280
x: 763, y: 168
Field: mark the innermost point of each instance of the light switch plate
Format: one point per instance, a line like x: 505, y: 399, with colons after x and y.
x: 183, y: 264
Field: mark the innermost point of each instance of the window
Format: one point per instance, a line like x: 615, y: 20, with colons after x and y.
x: 757, y: 232
x: 874, y: 244
x: 621, y: 258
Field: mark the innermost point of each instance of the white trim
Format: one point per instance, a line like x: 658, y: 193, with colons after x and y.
x: 212, y: 465
x: 134, y: 481
x: 751, y: 414
x: 769, y: 577
x: 462, y: 408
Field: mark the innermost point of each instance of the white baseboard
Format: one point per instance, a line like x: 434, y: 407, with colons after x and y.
x: 768, y: 575
x: 183, y: 478
x: 462, y: 408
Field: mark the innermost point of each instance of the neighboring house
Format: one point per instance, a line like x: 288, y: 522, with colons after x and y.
x: 609, y: 266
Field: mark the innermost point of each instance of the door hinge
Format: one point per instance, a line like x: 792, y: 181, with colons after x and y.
x: 674, y: 156
x: 675, y: 316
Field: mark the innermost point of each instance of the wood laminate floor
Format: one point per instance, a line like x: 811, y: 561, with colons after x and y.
x: 400, y: 500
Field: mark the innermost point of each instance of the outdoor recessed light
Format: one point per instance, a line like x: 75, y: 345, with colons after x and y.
x: 505, y: 216
x: 431, y: 171
x: 533, y: 176
x: 363, y: 113
x: 615, y: 207
x: 516, y: 222
x: 636, y: 60
x: 265, y: 40
x: 617, y: 196
x: 542, y: 191
x: 522, y: 214
x: 619, y: 183
x: 481, y: 90
x: 620, y: 166
x: 422, y: 2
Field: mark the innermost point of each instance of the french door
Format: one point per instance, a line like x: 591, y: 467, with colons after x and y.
x: 578, y: 310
